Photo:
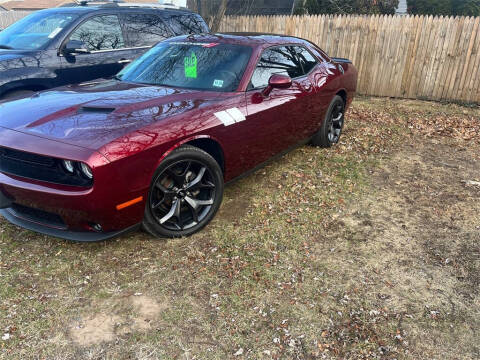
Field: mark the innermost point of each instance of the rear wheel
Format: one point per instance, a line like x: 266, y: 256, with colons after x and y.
x: 185, y: 194
x: 332, y: 126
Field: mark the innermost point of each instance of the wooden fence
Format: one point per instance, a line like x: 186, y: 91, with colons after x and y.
x: 436, y: 58
x: 9, y: 17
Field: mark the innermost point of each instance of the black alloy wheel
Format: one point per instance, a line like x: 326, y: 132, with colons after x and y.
x: 185, y: 194
x: 336, y: 123
x: 332, y: 126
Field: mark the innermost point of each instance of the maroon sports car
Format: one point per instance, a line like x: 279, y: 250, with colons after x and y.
x: 155, y: 145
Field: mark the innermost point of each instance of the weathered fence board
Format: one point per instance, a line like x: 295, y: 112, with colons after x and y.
x: 9, y: 17
x: 435, y: 58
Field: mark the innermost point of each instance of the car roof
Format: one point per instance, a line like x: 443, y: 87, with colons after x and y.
x: 106, y: 8
x: 246, y: 38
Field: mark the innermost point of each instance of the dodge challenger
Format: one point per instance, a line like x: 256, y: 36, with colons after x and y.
x: 154, y: 145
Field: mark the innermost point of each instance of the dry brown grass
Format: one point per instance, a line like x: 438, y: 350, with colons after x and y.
x: 368, y: 250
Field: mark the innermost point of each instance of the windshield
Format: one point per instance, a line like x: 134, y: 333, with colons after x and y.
x: 34, y: 31
x: 203, y: 66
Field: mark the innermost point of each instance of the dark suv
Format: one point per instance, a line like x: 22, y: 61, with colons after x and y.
x: 68, y: 45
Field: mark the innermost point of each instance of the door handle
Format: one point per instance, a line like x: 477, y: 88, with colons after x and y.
x: 124, y: 61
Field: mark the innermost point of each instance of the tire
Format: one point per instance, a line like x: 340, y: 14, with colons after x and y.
x: 185, y: 194
x: 333, y: 122
x: 17, y: 94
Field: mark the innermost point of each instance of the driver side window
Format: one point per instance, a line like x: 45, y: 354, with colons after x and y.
x: 100, y: 33
x: 277, y: 60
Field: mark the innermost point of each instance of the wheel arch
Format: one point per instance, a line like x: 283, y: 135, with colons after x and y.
x: 343, y: 94
x: 205, y: 142
x: 211, y: 147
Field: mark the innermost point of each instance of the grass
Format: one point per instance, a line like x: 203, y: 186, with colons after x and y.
x: 337, y: 253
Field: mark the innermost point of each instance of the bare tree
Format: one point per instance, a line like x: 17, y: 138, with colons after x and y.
x: 216, y: 20
x: 213, y: 11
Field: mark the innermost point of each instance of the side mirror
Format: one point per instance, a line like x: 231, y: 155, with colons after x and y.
x: 277, y: 81
x: 75, y: 47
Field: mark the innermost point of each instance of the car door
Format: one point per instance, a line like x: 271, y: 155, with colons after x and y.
x: 108, y: 53
x: 278, y: 116
x: 143, y: 30
x: 312, y: 101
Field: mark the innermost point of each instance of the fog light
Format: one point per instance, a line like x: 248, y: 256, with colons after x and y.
x: 68, y: 165
x: 97, y: 227
x: 86, y: 170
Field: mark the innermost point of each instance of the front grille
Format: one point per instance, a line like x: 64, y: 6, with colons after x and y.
x: 38, y: 216
x: 39, y: 167
x: 20, y: 156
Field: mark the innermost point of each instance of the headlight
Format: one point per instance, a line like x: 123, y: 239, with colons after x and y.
x: 79, y: 170
x: 68, y: 165
x: 86, y: 170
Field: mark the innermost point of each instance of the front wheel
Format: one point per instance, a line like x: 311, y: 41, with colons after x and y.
x: 331, y: 129
x: 185, y: 194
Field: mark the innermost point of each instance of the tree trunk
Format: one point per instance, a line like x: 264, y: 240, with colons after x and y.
x: 217, y: 19
x: 199, y: 7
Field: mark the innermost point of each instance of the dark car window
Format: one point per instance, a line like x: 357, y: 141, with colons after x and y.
x: 145, y: 29
x: 202, y: 66
x: 35, y: 31
x: 319, y: 53
x: 278, y: 60
x: 306, y: 59
x: 100, y: 33
x: 184, y: 24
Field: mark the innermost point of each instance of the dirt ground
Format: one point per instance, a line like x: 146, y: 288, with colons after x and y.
x: 370, y: 250
x: 418, y: 232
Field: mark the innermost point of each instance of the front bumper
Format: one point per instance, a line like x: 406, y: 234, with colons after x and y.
x: 67, y: 210
x: 72, y: 212
x: 50, y: 223
x: 81, y: 236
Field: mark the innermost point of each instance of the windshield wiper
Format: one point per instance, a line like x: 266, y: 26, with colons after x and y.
x: 6, y: 47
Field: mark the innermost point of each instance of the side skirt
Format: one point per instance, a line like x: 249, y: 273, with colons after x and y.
x: 273, y: 158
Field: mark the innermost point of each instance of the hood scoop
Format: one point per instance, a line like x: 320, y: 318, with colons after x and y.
x: 96, y: 110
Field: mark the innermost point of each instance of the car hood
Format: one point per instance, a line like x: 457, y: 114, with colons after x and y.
x: 9, y: 55
x: 92, y: 115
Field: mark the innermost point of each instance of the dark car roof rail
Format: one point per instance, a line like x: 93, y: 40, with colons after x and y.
x: 123, y: 4
x: 157, y: 6
x: 93, y: 3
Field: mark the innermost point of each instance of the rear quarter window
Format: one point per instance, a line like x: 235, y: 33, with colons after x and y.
x: 145, y: 29
x: 307, y: 60
x: 184, y: 24
x: 319, y: 53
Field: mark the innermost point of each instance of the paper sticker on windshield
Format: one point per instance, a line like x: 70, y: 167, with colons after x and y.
x: 191, y: 66
x: 55, y: 32
x: 218, y: 83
